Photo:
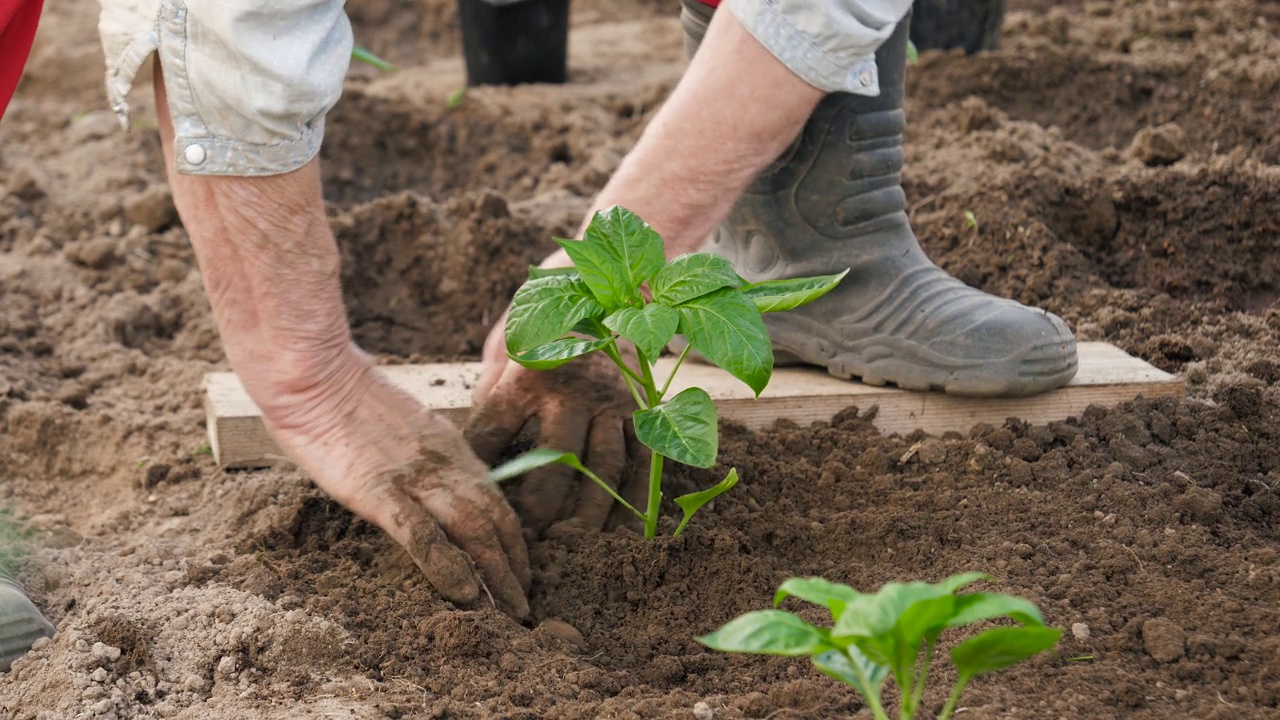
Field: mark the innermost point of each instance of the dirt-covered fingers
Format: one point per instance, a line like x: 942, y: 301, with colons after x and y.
x: 470, y: 528
x: 607, y: 457
x: 493, y: 505
x: 635, y: 482
x: 496, y: 421
x: 547, y: 494
x: 402, y: 516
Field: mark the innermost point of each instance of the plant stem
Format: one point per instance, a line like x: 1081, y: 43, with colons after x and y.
x: 950, y: 707
x: 918, y: 694
x: 612, y: 351
x: 655, y: 496
x: 877, y: 710
x: 905, y: 692
x: 679, y: 361
x: 612, y: 493
x: 628, y: 375
x: 655, y: 459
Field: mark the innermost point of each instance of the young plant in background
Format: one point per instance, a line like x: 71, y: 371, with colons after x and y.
x: 563, y: 314
x: 366, y: 56
x: 893, y: 631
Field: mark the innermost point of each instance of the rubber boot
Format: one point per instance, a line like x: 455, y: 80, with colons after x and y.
x: 834, y: 200
x: 21, y: 624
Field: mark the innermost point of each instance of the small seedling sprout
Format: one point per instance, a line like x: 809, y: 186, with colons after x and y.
x: 894, y: 631
x: 364, y: 55
x: 565, y: 313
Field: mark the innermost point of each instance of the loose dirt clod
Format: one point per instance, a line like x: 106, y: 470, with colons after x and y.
x: 1161, y: 145
x: 1164, y: 640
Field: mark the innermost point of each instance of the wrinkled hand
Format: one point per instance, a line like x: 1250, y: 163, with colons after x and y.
x: 430, y: 493
x: 583, y: 407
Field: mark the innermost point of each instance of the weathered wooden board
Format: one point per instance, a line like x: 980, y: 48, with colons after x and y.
x: 1107, y: 376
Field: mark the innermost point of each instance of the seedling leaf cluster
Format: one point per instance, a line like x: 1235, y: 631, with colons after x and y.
x: 622, y: 288
x: 894, y: 631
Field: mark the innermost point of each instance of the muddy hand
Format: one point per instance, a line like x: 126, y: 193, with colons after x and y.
x: 453, y: 522
x: 582, y: 407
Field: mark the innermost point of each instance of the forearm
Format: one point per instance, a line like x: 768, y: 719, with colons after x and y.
x: 736, y: 109
x: 270, y: 266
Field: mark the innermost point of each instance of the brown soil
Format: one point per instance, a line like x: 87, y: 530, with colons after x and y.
x: 242, y: 595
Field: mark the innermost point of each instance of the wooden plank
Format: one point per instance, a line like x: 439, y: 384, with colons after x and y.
x: 1107, y: 376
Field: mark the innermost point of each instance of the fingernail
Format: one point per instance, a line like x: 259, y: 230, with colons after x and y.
x: 451, y: 575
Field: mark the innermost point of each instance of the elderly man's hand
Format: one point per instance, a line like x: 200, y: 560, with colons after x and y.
x: 270, y: 266
x: 410, y: 471
x: 583, y: 407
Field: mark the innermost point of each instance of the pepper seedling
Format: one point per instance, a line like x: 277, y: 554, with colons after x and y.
x: 566, y: 313
x: 894, y: 631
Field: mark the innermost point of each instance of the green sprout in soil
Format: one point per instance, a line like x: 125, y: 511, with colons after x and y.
x: 367, y: 57
x: 970, y: 220
x: 456, y: 98
x: 566, y: 313
x: 893, y: 631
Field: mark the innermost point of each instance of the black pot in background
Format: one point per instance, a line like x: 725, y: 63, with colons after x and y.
x: 944, y: 24
x: 519, y: 42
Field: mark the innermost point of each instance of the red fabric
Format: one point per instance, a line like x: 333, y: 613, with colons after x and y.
x: 18, y: 20
x: 712, y: 3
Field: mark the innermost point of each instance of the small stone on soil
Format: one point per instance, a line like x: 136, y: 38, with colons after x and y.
x: 1080, y: 631
x: 932, y: 452
x: 703, y: 711
x: 102, y: 651
x: 227, y: 665
x: 193, y: 683
x: 563, y: 631
x: 95, y: 254
x: 1164, y: 640
x: 1161, y: 145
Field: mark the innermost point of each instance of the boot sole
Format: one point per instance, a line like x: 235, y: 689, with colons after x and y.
x: 887, y: 360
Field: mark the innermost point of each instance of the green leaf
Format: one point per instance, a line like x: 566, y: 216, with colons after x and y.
x: 456, y: 98
x: 692, y: 275
x: 693, y: 502
x: 999, y: 648
x: 922, y: 619
x: 618, y: 253
x: 836, y: 664
x: 780, y: 295
x: 650, y: 329
x: 367, y: 57
x: 545, y: 309
x: 536, y: 272
x: 956, y: 583
x: 768, y: 632
x: 833, y: 596
x: 558, y: 352
x: 728, y: 330
x: 876, y: 615
x: 682, y: 428
x: 592, y: 327
x: 532, y: 460
x: 976, y: 607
